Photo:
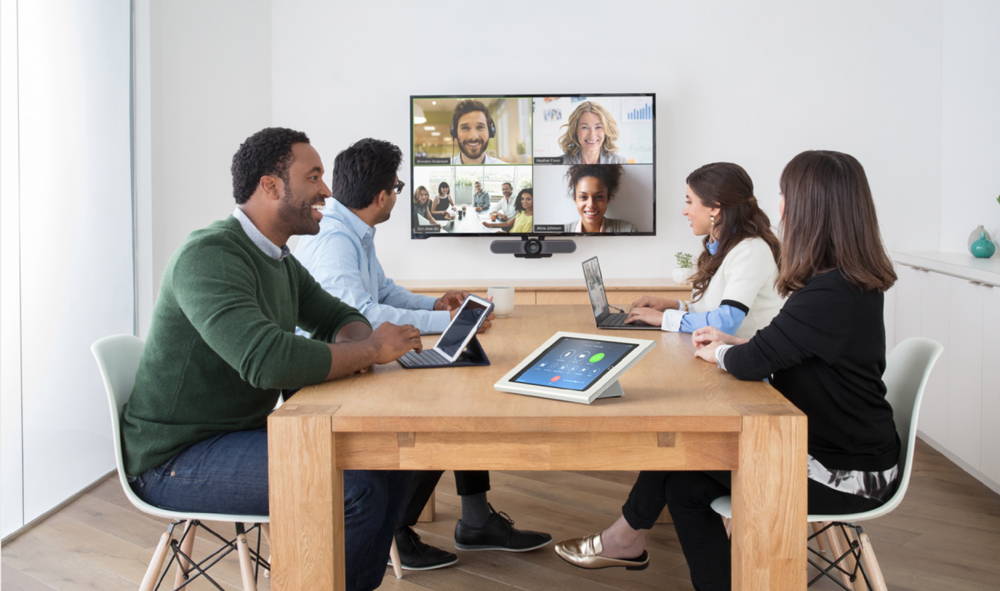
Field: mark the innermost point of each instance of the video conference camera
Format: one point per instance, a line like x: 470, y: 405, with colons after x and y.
x: 532, y: 247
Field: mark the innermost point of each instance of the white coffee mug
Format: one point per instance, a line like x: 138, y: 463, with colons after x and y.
x: 503, y: 300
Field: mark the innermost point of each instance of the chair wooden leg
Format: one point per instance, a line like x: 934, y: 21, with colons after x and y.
x: 821, y: 543
x: 187, y: 547
x: 836, y: 542
x: 265, y: 529
x: 155, y: 563
x: 871, y: 565
x: 397, y: 567
x: 246, y: 566
x: 427, y: 515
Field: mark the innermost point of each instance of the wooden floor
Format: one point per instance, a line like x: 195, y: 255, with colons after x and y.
x: 945, y: 536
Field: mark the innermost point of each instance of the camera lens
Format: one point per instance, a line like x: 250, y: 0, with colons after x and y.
x: 533, y: 246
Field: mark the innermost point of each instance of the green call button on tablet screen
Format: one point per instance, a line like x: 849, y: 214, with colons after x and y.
x: 596, y: 357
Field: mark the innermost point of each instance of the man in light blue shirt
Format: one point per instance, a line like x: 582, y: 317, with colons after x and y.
x: 342, y: 259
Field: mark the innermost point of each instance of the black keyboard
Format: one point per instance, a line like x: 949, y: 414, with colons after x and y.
x: 618, y: 319
x: 425, y: 358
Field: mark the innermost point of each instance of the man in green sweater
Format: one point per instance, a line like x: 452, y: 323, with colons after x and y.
x: 222, y: 347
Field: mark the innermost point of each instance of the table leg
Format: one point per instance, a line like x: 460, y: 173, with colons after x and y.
x: 306, y: 497
x: 769, y: 504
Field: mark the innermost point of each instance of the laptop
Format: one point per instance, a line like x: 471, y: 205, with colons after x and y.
x: 457, y: 345
x: 603, y: 315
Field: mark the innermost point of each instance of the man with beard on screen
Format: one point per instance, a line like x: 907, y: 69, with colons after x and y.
x: 472, y: 127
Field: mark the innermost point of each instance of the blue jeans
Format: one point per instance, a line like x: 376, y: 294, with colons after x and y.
x: 228, y: 474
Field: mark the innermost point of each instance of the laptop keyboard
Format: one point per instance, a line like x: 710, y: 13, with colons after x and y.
x: 618, y: 319
x: 425, y: 358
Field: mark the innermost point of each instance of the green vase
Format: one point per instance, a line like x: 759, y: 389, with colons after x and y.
x: 982, y: 248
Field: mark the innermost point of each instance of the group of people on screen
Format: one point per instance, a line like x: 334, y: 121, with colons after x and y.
x: 593, y: 174
x: 804, y: 311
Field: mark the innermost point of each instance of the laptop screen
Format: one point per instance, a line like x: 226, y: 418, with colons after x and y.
x: 595, y: 286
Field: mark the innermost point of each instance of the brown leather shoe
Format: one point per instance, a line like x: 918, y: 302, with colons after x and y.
x: 585, y: 553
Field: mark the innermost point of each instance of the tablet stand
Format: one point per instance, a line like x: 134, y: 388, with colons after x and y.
x: 474, y: 354
x: 613, y: 390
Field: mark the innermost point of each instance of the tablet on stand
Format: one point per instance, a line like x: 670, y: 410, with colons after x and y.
x: 575, y: 367
x: 458, y: 345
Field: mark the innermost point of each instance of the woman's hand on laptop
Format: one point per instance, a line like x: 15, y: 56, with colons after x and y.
x: 650, y: 316
x: 654, y: 302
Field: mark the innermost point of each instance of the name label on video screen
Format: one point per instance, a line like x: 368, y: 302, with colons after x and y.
x: 432, y: 160
x: 548, y: 227
x: 427, y: 229
x: 548, y: 159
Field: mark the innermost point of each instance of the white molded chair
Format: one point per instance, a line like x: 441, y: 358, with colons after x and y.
x: 907, y: 368
x: 118, y: 360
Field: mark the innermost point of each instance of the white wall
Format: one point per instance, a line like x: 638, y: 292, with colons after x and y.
x: 209, y: 77
x: 970, y: 121
x: 912, y: 98
x: 72, y: 264
x: 754, y: 83
x: 12, y: 474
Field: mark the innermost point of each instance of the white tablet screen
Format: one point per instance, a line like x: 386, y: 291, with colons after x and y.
x: 573, y: 364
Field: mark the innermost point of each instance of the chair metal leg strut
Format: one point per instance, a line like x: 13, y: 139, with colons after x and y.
x: 200, y: 568
x: 832, y: 567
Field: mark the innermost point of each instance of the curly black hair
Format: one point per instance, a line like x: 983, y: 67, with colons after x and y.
x: 518, y: 205
x: 363, y: 170
x: 267, y: 152
x: 609, y: 175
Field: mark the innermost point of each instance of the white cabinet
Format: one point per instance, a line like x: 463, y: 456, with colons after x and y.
x: 961, y: 410
x: 965, y: 368
x: 990, y: 425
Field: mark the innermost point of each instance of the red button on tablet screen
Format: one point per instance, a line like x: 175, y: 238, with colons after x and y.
x: 555, y: 378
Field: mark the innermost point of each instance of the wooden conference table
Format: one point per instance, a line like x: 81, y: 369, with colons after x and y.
x: 678, y: 413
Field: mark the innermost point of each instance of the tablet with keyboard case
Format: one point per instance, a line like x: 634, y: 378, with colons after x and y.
x: 458, y: 345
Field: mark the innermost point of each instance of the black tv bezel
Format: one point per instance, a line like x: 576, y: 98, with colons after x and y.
x: 414, y: 235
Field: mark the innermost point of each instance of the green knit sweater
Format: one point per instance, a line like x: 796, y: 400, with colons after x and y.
x: 222, y: 344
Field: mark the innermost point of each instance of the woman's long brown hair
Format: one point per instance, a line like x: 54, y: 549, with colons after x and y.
x: 727, y: 186
x: 830, y: 223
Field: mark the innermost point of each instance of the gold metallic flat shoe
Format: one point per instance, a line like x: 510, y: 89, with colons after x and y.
x: 585, y: 553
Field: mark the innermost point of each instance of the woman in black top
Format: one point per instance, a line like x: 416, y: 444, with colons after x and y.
x: 443, y: 201
x: 824, y: 351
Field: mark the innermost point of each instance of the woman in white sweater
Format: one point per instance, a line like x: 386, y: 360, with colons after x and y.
x: 734, y: 291
x: 733, y: 288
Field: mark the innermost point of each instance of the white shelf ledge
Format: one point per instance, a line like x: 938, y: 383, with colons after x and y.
x: 956, y: 264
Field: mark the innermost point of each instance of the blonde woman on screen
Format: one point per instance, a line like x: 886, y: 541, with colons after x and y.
x: 590, y: 136
x: 422, y: 206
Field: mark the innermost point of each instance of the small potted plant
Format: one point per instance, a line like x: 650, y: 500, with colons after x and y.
x: 684, y: 268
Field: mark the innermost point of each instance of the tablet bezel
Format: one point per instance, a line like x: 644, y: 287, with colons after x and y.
x: 475, y: 329
x: 506, y: 383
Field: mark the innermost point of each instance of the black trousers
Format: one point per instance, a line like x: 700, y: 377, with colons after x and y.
x: 703, y: 538
x: 467, y: 482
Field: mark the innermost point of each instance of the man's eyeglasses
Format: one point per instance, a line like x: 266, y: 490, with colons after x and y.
x: 398, y: 187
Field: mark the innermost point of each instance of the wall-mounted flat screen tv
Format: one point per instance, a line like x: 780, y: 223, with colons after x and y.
x: 560, y: 165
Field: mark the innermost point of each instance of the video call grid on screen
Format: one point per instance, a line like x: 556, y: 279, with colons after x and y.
x: 524, y: 141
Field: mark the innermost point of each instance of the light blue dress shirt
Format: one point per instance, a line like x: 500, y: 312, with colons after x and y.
x: 342, y: 259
